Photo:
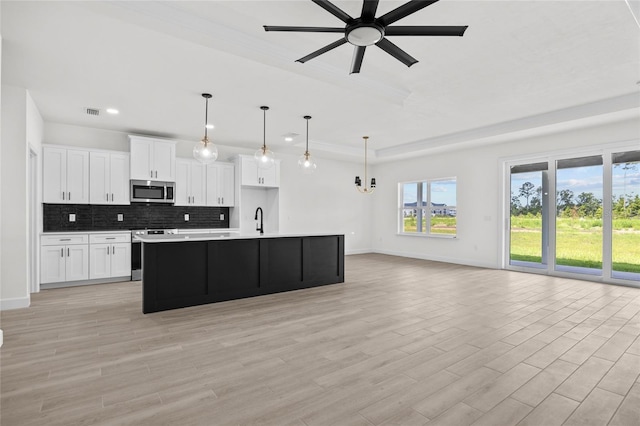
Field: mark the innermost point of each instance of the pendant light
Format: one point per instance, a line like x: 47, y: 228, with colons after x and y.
x: 205, y: 151
x: 305, y: 162
x: 359, y: 187
x: 264, y: 156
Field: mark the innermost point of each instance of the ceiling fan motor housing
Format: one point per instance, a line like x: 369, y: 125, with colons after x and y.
x: 361, y: 33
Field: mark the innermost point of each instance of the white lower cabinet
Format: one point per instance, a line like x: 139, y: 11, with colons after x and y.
x: 64, y: 258
x: 82, y: 257
x: 109, y: 255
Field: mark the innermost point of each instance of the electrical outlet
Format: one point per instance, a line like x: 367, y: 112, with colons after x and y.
x: 72, y: 217
x: 120, y: 217
x: 186, y: 217
x: 221, y: 216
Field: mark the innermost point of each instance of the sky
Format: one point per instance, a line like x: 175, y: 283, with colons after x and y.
x: 443, y: 191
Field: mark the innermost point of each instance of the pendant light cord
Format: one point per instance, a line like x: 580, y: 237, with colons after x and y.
x: 307, y: 146
x: 206, y: 117
x: 264, y: 131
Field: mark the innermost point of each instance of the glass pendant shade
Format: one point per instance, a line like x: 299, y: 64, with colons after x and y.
x: 306, y: 163
x: 264, y: 158
x: 205, y: 151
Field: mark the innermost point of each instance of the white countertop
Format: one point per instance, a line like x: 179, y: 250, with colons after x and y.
x: 176, y: 238
x: 119, y: 231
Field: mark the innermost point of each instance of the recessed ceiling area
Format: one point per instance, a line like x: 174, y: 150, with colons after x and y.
x: 517, y: 60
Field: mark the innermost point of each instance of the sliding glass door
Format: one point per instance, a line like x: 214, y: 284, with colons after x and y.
x: 576, y: 215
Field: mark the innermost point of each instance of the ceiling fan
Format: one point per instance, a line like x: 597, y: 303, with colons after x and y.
x: 368, y: 30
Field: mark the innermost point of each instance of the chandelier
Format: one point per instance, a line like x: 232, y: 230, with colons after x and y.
x: 372, y: 186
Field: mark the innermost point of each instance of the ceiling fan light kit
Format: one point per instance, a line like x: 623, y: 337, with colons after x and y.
x: 368, y: 30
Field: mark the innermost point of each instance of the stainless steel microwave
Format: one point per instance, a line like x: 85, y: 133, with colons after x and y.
x: 149, y: 191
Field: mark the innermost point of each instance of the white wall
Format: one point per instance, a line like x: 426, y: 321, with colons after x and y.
x: 479, y: 194
x: 22, y: 125
x: 325, y: 201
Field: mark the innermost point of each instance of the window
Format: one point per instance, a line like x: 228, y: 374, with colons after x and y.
x: 428, y: 207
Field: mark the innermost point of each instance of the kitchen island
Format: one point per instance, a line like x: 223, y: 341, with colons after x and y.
x: 188, y: 270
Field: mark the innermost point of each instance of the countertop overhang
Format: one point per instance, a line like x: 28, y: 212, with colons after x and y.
x: 175, y: 238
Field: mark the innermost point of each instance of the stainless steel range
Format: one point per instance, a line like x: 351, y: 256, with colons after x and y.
x: 136, y: 249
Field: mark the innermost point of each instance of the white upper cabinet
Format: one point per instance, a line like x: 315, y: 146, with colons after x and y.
x: 251, y: 175
x: 220, y: 185
x: 152, y: 159
x: 109, y: 178
x: 190, y: 183
x: 65, y: 176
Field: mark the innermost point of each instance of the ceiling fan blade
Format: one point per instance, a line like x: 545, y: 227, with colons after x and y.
x: 426, y: 31
x: 404, y: 10
x: 396, y: 52
x: 369, y: 8
x: 356, y: 62
x: 323, y: 50
x: 334, y: 10
x: 304, y: 29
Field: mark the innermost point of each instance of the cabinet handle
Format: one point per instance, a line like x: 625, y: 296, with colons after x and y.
x: 61, y: 252
x: 65, y: 239
x: 68, y: 252
x: 156, y: 173
x: 151, y: 173
x: 222, y: 200
x: 112, y: 196
x: 107, y: 196
x: 107, y: 250
x: 69, y: 196
x: 63, y: 195
x: 110, y: 238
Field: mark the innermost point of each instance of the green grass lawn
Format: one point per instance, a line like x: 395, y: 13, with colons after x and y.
x: 579, y: 242
x: 439, y: 225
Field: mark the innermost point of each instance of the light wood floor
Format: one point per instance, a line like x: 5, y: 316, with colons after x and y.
x: 402, y: 342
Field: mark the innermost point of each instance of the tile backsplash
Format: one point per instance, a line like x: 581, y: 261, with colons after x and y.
x: 135, y: 216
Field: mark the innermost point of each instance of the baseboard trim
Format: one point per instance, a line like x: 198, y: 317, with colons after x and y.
x: 15, y: 303
x: 437, y: 258
x: 359, y: 251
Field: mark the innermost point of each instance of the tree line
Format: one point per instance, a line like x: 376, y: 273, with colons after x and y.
x: 528, y: 201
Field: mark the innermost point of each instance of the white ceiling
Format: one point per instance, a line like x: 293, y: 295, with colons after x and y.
x: 520, y: 65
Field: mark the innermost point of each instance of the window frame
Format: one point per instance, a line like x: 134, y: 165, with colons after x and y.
x: 419, y: 191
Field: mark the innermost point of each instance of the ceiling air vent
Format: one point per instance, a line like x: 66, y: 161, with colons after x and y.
x: 92, y: 111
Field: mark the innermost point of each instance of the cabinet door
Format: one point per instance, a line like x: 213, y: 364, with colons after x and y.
x: 213, y: 198
x: 226, y: 185
x: 140, y: 163
x: 183, y: 183
x: 78, y: 176
x: 198, y: 184
x: 99, y: 261
x: 120, y: 260
x: 249, y: 171
x: 119, y: 179
x: 54, y: 175
x: 77, y: 262
x: 270, y: 177
x: 52, y: 264
x: 164, y: 163
x: 99, y: 192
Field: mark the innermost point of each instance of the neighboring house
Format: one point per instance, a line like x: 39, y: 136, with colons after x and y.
x: 437, y: 209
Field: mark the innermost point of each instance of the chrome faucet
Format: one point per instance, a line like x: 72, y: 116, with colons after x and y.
x: 261, y: 226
